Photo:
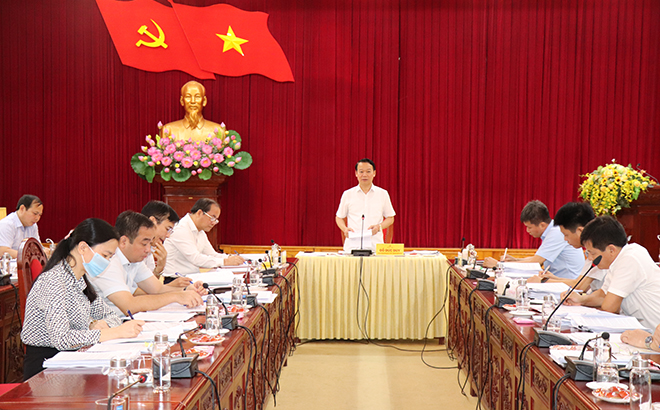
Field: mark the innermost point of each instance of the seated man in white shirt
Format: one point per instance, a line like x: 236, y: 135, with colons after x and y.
x: 20, y: 225
x: 632, y: 286
x: 565, y: 261
x: 165, y: 218
x: 188, y: 248
x: 127, y: 272
x: 368, y: 201
x: 571, y: 220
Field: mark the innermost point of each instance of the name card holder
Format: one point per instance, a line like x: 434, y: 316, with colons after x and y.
x: 389, y: 249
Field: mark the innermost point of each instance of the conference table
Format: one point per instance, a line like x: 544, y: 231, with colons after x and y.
x: 79, y: 388
x: 375, y: 297
x: 487, y: 344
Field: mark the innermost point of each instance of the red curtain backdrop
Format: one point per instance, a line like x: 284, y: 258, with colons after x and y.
x: 469, y: 109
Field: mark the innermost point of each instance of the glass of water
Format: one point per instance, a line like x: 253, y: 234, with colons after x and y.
x: 607, y: 372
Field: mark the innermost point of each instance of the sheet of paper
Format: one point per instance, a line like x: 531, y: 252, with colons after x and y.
x: 149, y: 330
x: 614, y: 323
x: 163, y: 316
x: 215, y: 277
x: 364, y: 234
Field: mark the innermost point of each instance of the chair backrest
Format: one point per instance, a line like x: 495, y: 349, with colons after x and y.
x: 388, y: 233
x: 31, y: 261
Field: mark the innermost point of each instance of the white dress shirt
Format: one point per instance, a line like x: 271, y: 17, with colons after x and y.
x: 189, y: 249
x: 12, y: 231
x: 120, y: 275
x: 375, y: 205
x: 635, y: 277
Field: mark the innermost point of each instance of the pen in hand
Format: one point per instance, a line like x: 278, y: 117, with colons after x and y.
x: 130, y: 314
x: 181, y: 276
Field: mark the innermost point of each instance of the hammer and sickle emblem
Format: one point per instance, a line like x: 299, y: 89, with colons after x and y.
x: 157, y: 41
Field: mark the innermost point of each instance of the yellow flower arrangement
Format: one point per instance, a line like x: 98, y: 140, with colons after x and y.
x: 612, y: 187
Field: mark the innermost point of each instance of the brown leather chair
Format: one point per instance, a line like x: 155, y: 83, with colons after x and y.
x: 31, y: 261
x: 388, y: 233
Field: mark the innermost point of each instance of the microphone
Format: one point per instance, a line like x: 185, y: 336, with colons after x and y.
x: 180, y: 341
x: 361, y: 251
x: 543, y: 338
x: 211, y: 292
x: 604, y: 335
x: 229, y: 320
x: 362, y: 234
x: 141, y: 379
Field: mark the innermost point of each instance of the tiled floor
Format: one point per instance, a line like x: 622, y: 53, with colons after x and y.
x: 353, y: 375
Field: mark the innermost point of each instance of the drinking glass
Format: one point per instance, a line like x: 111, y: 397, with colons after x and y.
x: 607, y: 372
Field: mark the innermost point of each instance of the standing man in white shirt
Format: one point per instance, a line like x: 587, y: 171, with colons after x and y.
x: 127, y: 272
x: 366, y: 200
x: 632, y: 286
x: 20, y: 225
x: 188, y: 248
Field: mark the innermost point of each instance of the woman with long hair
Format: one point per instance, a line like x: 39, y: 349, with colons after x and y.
x: 63, y: 311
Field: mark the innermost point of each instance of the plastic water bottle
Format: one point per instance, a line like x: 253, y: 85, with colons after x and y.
x: 237, y: 289
x: 602, y: 353
x: 212, y: 316
x: 640, y: 384
x: 161, y: 365
x: 522, y: 296
x: 254, y: 275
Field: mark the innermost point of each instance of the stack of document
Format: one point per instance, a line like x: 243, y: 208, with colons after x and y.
x: 538, y: 290
x: 263, y: 296
x: 85, y: 359
x: 215, y: 277
x: 521, y: 270
x: 149, y: 330
x: 605, y: 322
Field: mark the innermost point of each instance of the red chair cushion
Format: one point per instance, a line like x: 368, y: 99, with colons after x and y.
x: 35, y: 268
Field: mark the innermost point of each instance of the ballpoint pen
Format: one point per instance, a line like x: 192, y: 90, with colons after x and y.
x: 130, y: 314
x: 181, y: 276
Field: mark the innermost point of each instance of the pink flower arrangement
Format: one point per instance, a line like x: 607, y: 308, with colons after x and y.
x: 187, y: 162
x: 180, y: 159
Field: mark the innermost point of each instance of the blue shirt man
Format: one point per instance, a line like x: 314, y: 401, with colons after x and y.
x: 565, y: 261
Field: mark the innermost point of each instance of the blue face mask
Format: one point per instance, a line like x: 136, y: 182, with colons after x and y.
x: 97, y: 265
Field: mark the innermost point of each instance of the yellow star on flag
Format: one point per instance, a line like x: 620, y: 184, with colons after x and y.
x: 231, y: 41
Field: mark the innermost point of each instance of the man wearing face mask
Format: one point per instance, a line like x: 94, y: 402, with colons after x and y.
x: 127, y: 272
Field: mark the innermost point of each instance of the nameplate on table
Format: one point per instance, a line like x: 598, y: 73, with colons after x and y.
x: 389, y: 249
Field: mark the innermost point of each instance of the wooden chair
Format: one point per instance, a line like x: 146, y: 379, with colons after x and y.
x: 388, y: 233
x: 31, y: 261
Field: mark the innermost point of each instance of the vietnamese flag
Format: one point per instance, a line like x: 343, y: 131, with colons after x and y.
x: 148, y: 36
x: 229, y: 41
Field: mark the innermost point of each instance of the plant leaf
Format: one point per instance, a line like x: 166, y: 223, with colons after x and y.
x: 206, y: 174
x: 246, y: 160
x: 182, y: 176
x: 138, y: 166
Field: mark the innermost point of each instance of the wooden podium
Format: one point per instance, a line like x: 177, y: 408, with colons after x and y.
x: 642, y: 220
x: 182, y: 196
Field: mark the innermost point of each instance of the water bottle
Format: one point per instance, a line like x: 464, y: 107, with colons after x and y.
x: 212, y: 316
x: 549, y: 305
x: 161, y: 366
x: 274, y: 254
x: 522, y: 296
x: 5, y: 263
x: 640, y: 384
x: 237, y: 289
x: 602, y: 354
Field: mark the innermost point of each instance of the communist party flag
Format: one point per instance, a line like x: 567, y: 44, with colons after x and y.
x: 229, y: 41
x: 148, y: 36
